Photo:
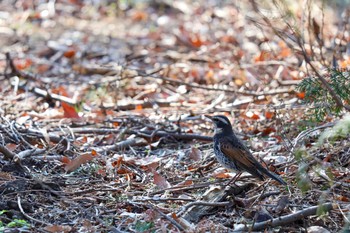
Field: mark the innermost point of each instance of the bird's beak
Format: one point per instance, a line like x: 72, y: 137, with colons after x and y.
x: 209, y: 117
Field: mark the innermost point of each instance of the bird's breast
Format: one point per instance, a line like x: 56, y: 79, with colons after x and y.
x: 223, y: 159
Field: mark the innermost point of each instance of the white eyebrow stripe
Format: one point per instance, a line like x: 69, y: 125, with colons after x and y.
x: 223, y: 120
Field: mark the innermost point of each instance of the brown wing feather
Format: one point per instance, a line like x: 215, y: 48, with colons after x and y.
x: 242, y: 158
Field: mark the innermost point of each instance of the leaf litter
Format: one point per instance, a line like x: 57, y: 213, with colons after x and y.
x: 102, y: 124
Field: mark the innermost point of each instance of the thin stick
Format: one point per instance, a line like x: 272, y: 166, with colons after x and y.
x: 26, y: 215
x: 187, y: 206
x: 183, y: 188
x: 6, y: 152
x: 170, y: 219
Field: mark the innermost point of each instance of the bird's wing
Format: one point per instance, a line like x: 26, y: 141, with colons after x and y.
x: 241, y: 156
x: 245, y: 160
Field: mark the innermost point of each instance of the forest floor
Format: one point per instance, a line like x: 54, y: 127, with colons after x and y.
x: 102, y: 117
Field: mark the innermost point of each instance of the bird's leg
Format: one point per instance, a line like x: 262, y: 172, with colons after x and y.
x: 234, y: 179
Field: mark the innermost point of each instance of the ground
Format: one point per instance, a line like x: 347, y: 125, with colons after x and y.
x: 102, y: 116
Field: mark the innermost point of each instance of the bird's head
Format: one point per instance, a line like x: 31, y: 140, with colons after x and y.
x: 222, y: 124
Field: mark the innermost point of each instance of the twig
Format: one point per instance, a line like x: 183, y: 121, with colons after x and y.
x: 170, y: 219
x: 155, y: 199
x: 26, y: 215
x: 143, y: 133
x: 118, y: 146
x: 189, y: 205
x: 223, y: 88
x: 203, y: 167
x: 183, y: 188
x: 6, y: 152
x: 280, y: 221
x: 308, y: 131
x: 248, y: 201
x: 93, y: 190
x: 17, y: 72
x: 26, y: 153
x: 299, y: 42
x: 37, y: 133
x: 143, y: 104
x: 335, y: 96
x: 53, y: 96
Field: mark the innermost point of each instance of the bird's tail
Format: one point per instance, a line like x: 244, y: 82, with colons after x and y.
x: 274, y: 176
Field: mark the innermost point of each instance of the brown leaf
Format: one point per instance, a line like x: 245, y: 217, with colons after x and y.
x: 69, y: 53
x: 11, y: 146
x: 65, y: 160
x: 22, y: 64
x: 94, y: 153
x: 253, y: 115
x: 342, y: 198
x: 300, y: 95
x: 58, y: 228
x: 42, y: 68
x: 285, y: 51
x: 117, y: 164
x: 195, y: 154
x: 139, y: 15
x: 269, y: 115
x: 150, y: 160
x: 75, y: 163
x: 102, y: 172
x: 281, y: 204
x: 138, y: 107
x: 222, y: 175
x: 69, y: 111
x: 160, y: 181
x: 124, y: 170
x: 196, y: 41
x: 185, y: 183
x: 263, y: 56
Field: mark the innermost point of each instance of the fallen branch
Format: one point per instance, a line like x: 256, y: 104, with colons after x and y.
x: 215, y: 196
x: 118, y: 146
x: 284, y: 220
x: 143, y: 133
x: 26, y: 153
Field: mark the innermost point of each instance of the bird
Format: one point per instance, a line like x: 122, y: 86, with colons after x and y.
x: 231, y: 152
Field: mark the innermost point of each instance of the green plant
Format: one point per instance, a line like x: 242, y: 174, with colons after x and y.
x: 15, y: 223
x: 141, y: 226
x: 340, y: 131
x: 18, y: 223
x: 317, y: 94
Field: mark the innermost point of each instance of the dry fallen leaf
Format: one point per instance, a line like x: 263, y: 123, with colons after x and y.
x: 58, y: 228
x: 195, y: 154
x: 69, y: 111
x: 69, y: 53
x: 160, y: 181
x: 300, y: 95
x: 79, y: 160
